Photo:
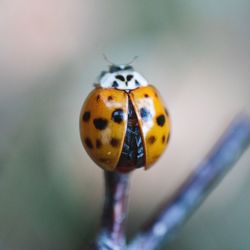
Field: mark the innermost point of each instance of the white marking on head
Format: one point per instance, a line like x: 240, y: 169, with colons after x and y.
x: 122, y: 77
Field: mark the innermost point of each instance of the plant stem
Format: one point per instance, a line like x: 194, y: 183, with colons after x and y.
x: 112, y: 229
x: 174, y: 213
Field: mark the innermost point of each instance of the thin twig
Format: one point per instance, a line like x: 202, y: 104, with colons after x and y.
x: 112, y: 229
x: 174, y: 213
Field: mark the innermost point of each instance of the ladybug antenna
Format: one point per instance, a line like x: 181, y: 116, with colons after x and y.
x: 115, y: 64
x: 133, y: 60
x: 107, y: 59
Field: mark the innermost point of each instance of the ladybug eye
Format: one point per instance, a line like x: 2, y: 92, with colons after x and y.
x: 120, y: 77
x: 102, y: 74
x: 114, y: 68
x: 128, y: 67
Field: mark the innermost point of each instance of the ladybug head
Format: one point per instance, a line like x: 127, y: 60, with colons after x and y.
x: 122, y: 77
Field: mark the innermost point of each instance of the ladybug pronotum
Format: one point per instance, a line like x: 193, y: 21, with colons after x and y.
x: 123, y: 122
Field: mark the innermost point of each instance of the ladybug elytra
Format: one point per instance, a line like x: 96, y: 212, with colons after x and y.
x: 124, y: 124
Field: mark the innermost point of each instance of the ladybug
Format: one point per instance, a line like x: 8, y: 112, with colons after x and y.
x: 124, y: 124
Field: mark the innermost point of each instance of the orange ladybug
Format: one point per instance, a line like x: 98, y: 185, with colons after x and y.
x: 124, y: 124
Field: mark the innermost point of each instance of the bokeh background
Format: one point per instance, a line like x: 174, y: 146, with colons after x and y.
x: 195, y: 52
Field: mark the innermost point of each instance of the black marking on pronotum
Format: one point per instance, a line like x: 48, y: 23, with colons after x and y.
x: 110, y: 98
x: 114, y: 142
x: 115, y: 84
x: 86, y: 116
x: 137, y: 83
x: 88, y: 143
x: 100, y: 123
x: 118, y: 115
x: 129, y: 77
x: 151, y: 140
x: 120, y: 77
x: 145, y: 114
x: 163, y: 139
x: 161, y: 120
x: 98, y: 143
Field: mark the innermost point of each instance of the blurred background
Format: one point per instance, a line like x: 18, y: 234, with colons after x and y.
x: 195, y: 52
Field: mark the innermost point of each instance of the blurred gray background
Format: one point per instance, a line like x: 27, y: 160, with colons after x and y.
x: 195, y: 52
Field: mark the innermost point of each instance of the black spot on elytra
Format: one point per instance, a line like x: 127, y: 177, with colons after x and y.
x: 137, y: 83
x: 88, y: 143
x: 118, y: 115
x: 163, y: 139
x: 110, y: 98
x: 114, y: 142
x: 161, y: 120
x: 115, y: 84
x: 98, y: 143
x: 151, y: 140
x: 145, y: 114
x: 86, y: 116
x: 146, y: 95
x: 156, y: 95
x: 120, y: 77
x: 100, y: 123
x: 98, y: 97
x: 129, y: 77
